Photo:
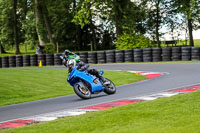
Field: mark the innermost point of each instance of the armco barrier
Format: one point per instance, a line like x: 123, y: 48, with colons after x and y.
x: 110, y: 56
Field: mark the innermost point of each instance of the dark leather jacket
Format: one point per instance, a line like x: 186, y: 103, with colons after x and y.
x: 82, y: 66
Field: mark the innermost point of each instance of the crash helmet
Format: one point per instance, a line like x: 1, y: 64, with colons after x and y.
x: 75, y: 57
x: 71, y: 63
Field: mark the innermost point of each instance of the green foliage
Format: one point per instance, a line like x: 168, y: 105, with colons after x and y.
x: 82, y: 16
x: 6, y: 19
x: 74, y: 24
x: 29, y: 29
x: 131, y: 41
x: 50, y: 48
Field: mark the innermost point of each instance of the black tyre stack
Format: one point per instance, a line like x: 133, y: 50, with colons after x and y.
x: 0, y: 63
x: 119, y: 56
x: 12, y: 61
x: 128, y: 56
x: 5, y: 62
x: 166, y: 54
x: 57, y: 60
x: 33, y: 60
x: 49, y: 59
x: 138, y: 55
x: 42, y: 58
x: 195, y: 53
x: 110, y: 56
x: 147, y: 54
x: 92, y: 57
x: 176, y: 53
x: 186, y: 53
x: 101, y: 57
x: 83, y: 57
x: 156, y: 54
x: 26, y: 60
x: 19, y: 61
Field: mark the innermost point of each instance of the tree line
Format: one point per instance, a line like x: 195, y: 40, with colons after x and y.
x: 94, y: 25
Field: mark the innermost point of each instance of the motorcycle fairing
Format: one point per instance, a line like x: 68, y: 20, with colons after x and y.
x: 75, y: 75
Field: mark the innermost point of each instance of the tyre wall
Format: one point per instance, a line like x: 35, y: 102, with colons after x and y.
x: 33, y: 60
x: 101, y: 57
x: 109, y: 56
x: 84, y: 56
x: 166, y: 54
x: 147, y: 55
x: 92, y: 57
x: 128, y: 56
x: 57, y: 60
x: 195, y: 53
x: 138, y: 55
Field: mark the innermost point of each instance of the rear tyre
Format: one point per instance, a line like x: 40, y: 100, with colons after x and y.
x: 110, y: 88
x: 82, y: 92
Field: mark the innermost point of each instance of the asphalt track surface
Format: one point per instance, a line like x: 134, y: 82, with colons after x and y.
x: 179, y: 75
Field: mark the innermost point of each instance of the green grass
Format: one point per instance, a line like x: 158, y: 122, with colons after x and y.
x: 177, y: 114
x: 197, y: 42
x: 182, y: 43
x: 22, y: 85
x: 12, y: 53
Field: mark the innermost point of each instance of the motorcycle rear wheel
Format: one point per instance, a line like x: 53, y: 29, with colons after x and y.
x: 110, y: 89
x: 82, y: 92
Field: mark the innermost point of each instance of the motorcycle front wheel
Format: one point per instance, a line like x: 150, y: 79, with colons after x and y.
x: 82, y: 91
x: 110, y: 88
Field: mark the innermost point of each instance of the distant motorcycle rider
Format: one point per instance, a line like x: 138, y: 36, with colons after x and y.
x: 71, y: 59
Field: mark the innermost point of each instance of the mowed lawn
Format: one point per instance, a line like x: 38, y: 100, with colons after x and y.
x: 25, y: 84
x: 177, y: 114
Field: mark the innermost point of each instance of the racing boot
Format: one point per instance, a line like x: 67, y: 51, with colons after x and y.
x: 104, y: 81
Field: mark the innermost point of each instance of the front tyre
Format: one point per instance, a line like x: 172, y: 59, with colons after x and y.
x: 110, y: 88
x: 82, y: 91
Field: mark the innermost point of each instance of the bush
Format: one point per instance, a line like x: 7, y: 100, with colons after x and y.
x: 132, y: 41
x: 49, y: 48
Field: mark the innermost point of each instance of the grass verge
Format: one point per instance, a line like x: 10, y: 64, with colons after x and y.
x: 22, y: 85
x: 177, y: 114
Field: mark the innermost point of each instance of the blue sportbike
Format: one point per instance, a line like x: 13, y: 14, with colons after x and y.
x: 84, y: 83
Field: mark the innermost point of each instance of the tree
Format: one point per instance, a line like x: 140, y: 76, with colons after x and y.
x: 15, y: 27
x: 156, y: 10
x: 191, y: 10
x: 43, y: 24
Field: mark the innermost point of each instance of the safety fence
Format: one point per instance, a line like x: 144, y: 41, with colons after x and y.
x: 110, y: 56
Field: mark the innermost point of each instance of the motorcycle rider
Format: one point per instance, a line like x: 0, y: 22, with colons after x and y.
x: 71, y: 59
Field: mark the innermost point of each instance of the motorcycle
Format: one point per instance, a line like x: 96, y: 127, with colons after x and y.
x: 85, y: 84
